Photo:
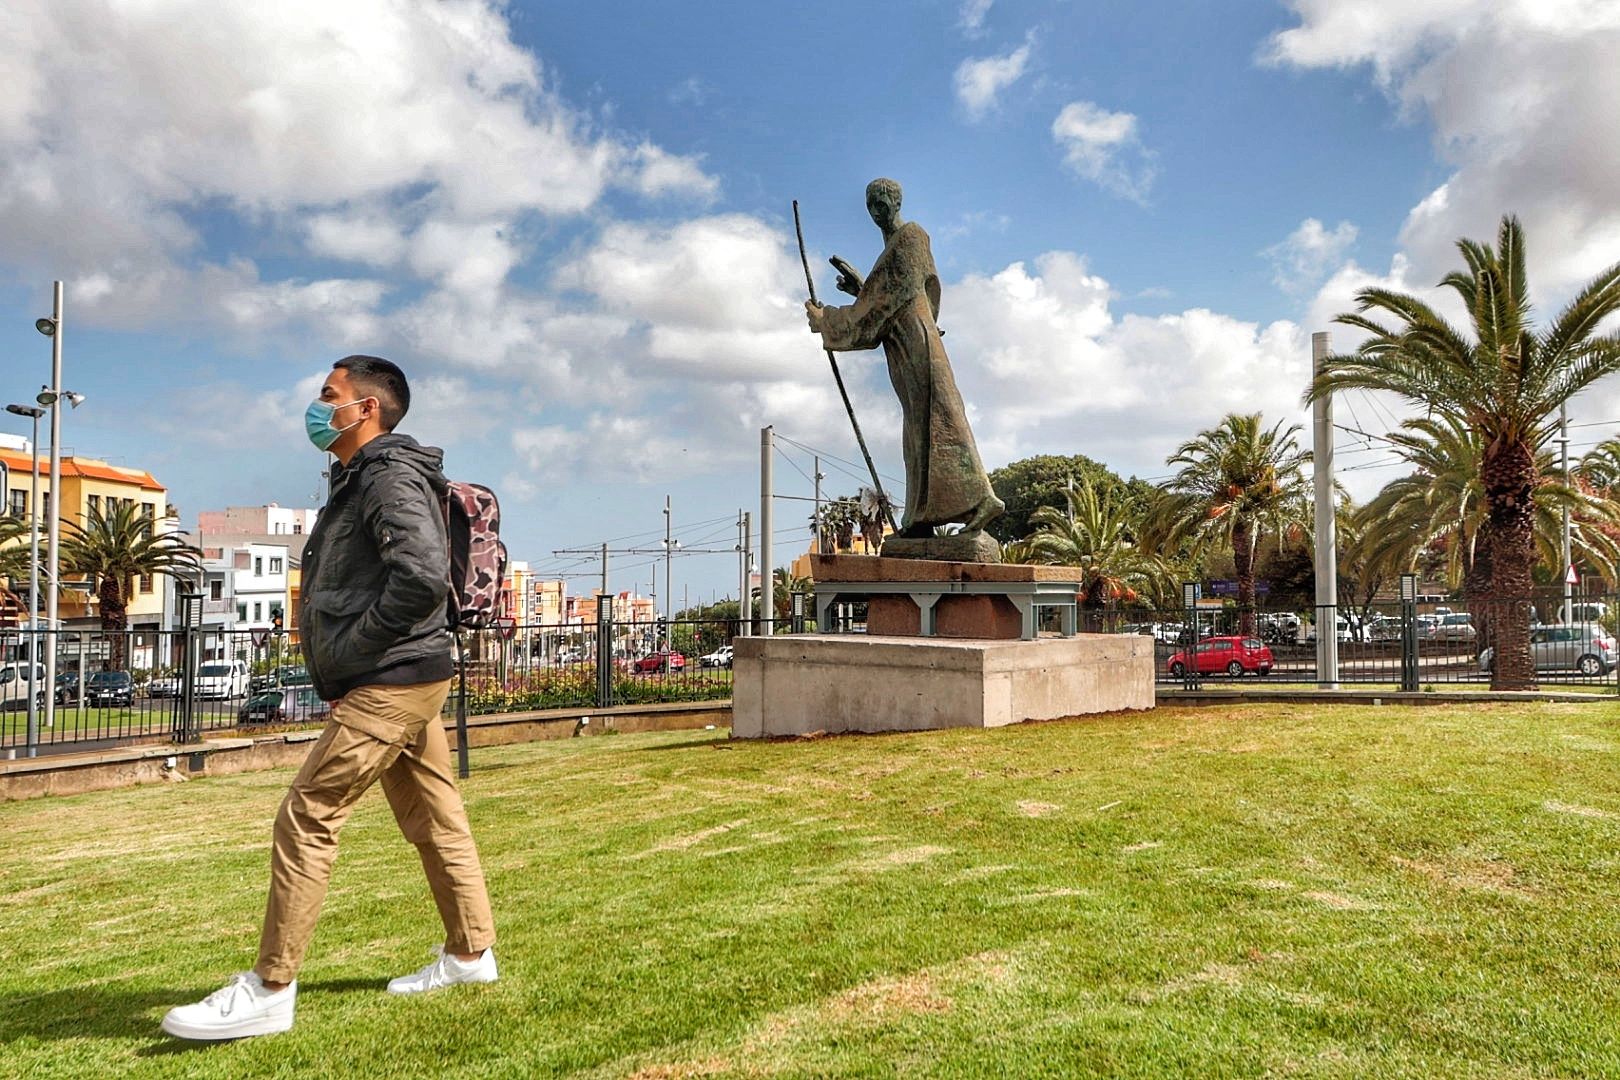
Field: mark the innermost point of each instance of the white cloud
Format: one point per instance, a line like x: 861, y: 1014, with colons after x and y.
x: 1301, y: 260
x: 1048, y: 366
x: 1519, y: 93
x: 970, y: 16
x: 1103, y: 147
x: 980, y: 81
x: 370, y: 130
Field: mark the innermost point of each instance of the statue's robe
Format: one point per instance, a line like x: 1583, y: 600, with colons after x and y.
x: 897, y: 308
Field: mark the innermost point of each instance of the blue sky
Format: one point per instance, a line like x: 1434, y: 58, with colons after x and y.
x: 570, y: 223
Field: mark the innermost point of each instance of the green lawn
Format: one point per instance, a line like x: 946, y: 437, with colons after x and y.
x: 1251, y: 890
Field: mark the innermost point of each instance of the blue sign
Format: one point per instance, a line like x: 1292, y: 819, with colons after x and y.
x: 1230, y: 588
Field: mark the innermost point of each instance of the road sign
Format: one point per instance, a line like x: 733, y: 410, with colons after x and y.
x: 507, y: 626
x: 261, y: 638
x: 1571, y: 577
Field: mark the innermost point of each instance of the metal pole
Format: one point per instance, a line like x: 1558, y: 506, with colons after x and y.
x: 604, y: 568
x: 747, y: 602
x: 669, y: 562
x: 33, y: 596
x: 816, y: 472
x: 53, y: 526
x: 767, y: 573
x: 1569, y: 554
x: 1327, y: 548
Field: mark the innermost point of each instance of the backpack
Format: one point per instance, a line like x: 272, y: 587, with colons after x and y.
x: 472, y: 518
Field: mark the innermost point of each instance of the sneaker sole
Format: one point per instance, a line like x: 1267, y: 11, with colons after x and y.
x: 264, y: 1025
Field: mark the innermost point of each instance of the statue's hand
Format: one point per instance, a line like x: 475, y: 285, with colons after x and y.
x: 812, y: 313
x: 849, y: 280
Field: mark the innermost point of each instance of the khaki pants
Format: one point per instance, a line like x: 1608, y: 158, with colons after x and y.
x: 392, y: 734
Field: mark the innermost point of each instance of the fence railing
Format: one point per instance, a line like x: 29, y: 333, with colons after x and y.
x: 1394, y: 645
x: 185, y: 684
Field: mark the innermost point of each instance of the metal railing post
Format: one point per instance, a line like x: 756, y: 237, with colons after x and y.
x: 604, y: 652
x: 1189, y: 599
x: 1409, y: 643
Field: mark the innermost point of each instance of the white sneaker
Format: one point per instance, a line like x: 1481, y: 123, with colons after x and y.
x: 240, y: 1008
x: 446, y: 970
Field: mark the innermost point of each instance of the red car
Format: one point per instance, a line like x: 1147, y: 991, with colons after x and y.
x: 1233, y: 655
x: 661, y: 661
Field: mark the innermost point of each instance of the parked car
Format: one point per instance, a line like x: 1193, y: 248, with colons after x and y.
x: 115, y: 688
x: 662, y: 660
x: 288, y: 705
x: 1455, y: 626
x: 285, y: 675
x: 14, y: 686
x: 222, y: 679
x: 164, y: 686
x: 1383, y: 628
x: 570, y: 656
x: 67, y: 687
x: 1586, y: 649
x: 1233, y: 655
x: 721, y: 657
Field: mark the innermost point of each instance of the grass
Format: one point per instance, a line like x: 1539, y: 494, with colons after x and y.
x: 1251, y: 890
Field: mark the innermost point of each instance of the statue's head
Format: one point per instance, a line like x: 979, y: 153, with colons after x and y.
x: 883, y: 202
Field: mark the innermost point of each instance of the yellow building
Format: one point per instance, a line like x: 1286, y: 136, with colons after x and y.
x: 88, y: 484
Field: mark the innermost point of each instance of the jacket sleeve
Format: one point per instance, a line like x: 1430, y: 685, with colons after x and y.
x: 400, y: 512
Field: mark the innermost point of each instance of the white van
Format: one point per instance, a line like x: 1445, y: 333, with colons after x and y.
x: 222, y: 679
x: 14, y: 685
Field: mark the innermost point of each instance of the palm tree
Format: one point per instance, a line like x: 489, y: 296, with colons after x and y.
x: 1094, y: 533
x: 1237, y: 481
x: 783, y: 586
x: 1505, y: 380
x: 114, y: 549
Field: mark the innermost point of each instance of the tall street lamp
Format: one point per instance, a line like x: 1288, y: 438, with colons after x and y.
x: 33, y: 580
x: 52, y: 328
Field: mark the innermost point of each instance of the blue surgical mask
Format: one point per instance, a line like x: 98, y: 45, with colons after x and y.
x: 318, y: 422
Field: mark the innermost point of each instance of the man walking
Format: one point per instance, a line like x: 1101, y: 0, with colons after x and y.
x: 375, y: 631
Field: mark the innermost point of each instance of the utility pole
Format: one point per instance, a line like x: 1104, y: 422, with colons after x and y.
x: 1569, y: 553
x: 745, y: 602
x: 669, y: 562
x: 816, y: 472
x: 767, y: 584
x: 53, y: 523
x: 1327, y: 548
x: 604, y: 568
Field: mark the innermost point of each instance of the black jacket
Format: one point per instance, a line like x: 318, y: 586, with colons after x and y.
x: 376, y: 573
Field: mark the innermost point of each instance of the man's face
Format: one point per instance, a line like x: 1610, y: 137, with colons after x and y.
x: 353, y: 407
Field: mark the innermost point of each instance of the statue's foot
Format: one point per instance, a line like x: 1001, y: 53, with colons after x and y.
x: 987, y: 511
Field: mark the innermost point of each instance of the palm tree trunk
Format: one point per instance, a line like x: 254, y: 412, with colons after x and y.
x: 1243, y: 560
x: 1508, y: 473
x: 114, y: 620
x: 1476, y: 587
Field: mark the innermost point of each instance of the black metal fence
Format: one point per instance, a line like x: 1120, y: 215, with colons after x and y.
x: 185, y: 684
x: 1399, y: 646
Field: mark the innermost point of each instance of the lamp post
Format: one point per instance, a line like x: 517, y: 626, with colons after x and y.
x: 51, y: 397
x: 34, y: 414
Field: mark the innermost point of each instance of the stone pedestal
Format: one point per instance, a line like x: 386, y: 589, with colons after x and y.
x: 803, y: 683
x: 934, y: 598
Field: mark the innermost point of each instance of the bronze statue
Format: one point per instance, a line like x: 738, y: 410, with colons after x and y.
x: 896, y: 307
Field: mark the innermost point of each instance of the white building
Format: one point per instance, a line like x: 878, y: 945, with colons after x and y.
x: 271, y: 519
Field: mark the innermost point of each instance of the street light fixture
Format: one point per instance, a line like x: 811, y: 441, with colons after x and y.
x: 51, y: 397
x: 47, y: 397
x: 33, y: 577
x: 46, y: 326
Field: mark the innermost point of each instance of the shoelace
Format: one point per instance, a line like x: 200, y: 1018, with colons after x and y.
x: 226, y: 997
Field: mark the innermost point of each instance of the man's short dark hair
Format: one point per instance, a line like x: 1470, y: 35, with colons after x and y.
x: 381, y: 379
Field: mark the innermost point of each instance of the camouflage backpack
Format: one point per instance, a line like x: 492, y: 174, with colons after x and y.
x: 472, y: 518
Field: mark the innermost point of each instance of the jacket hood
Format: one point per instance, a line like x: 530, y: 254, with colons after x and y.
x: 427, y: 460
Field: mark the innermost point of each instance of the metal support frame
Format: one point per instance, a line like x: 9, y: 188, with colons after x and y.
x: 1029, y: 597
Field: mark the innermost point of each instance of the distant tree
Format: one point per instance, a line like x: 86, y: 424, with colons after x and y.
x: 1027, y: 485
x: 114, y: 550
x: 1093, y: 534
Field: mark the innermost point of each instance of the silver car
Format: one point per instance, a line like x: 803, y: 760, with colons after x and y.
x: 1586, y: 649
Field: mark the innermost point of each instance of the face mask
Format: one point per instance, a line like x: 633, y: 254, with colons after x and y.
x: 318, y: 422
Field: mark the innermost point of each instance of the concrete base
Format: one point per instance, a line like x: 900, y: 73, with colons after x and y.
x: 848, y: 683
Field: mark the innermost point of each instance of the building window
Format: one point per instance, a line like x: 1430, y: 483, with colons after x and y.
x: 241, y: 613
x: 148, y: 584
x: 275, y: 566
x: 216, y: 590
x: 19, y: 503
x: 45, y: 504
x: 258, y: 611
x: 258, y: 567
x: 298, y: 528
x: 95, y: 505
